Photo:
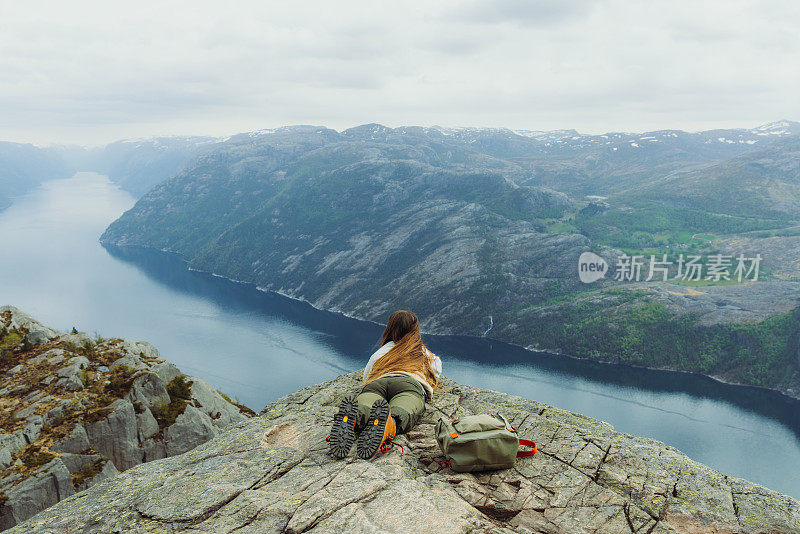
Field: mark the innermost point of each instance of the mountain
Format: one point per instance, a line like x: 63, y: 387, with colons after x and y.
x: 137, y: 164
x: 360, y: 222
x: 23, y: 167
x: 763, y: 182
x: 373, y: 219
x: 273, y: 473
x: 76, y: 411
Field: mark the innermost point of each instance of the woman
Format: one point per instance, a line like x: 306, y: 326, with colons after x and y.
x: 400, y: 376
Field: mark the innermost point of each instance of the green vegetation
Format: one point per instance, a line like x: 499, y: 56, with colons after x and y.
x: 33, y: 457
x: 87, y: 473
x: 120, y: 381
x: 655, y: 226
x: 180, y: 392
x: 9, y: 339
x: 633, y: 329
x: 451, y: 229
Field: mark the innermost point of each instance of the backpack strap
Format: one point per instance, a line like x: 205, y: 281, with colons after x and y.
x: 527, y: 443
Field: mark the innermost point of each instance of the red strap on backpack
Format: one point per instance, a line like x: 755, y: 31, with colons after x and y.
x: 527, y: 443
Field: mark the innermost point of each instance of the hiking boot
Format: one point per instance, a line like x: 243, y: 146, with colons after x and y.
x: 379, y: 430
x: 343, y: 430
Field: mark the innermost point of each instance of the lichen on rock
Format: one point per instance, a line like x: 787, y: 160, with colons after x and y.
x: 273, y: 473
x: 75, y: 411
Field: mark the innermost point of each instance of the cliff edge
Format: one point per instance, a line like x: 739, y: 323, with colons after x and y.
x: 75, y: 411
x: 273, y: 474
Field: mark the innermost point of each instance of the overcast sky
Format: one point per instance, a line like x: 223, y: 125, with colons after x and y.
x: 92, y: 72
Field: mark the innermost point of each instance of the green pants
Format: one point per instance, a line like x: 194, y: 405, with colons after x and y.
x: 406, y: 398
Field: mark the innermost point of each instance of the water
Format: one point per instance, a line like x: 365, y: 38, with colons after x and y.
x: 258, y: 346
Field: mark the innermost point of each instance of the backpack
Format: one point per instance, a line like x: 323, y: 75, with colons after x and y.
x: 480, y: 442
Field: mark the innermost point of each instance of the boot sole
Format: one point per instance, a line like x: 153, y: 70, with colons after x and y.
x: 372, y: 436
x: 343, y: 432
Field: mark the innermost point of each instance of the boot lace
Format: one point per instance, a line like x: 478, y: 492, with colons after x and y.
x: 389, y: 444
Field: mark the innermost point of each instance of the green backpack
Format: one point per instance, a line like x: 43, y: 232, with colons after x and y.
x: 480, y: 442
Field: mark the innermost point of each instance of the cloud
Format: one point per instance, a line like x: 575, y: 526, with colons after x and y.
x: 523, y: 12
x: 89, y: 72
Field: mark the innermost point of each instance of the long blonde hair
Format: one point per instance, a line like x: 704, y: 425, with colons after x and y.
x: 409, y: 353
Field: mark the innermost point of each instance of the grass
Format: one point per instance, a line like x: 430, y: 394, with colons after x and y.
x: 560, y: 227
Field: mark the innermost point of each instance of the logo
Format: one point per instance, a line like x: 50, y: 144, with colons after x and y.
x: 591, y: 267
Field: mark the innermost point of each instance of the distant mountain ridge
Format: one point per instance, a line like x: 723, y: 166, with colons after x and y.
x: 24, y: 166
x: 473, y: 227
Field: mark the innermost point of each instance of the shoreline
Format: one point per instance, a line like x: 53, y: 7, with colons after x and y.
x: 529, y: 348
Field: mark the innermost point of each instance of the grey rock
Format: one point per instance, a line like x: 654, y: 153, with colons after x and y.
x: 20, y: 319
x: 130, y: 361
x: 76, y: 462
x: 117, y: 437
x: 46, y: 487
x: 29, y: 410
x: 154, y: 450
x: 108, y: 471
x: 148, y: 390
x: 190, y: 429
x: 33, y: 429
x: 166, y: 371
x: 5, y: 457
x: 80, y: 339
x: 41, y: 335
x: 76, y: 442
x: 120, y: 436
x: 12, y: 442
x: 34, y: 396
x: 148, y: 426
x: 14, y: 370
x: 274, y: 474
x: 221, y: 411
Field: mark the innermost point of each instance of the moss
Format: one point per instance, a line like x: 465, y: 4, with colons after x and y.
x: 3, y: 498
x: 8, y: 422
x: 9, y: 339
x: 120, y: 381
x: 33, y: 457
x: 180, y: 392
x: 87, y: 473
x: 180, y: 388
x: 95, y: 415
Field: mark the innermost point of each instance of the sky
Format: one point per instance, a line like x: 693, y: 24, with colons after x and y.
x: 92, y: 72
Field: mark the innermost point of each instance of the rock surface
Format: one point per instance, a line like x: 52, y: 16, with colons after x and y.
x: 273, y: 474
x: 75, y: 412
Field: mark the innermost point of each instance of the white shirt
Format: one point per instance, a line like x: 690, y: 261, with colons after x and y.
x: 436, y: 364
